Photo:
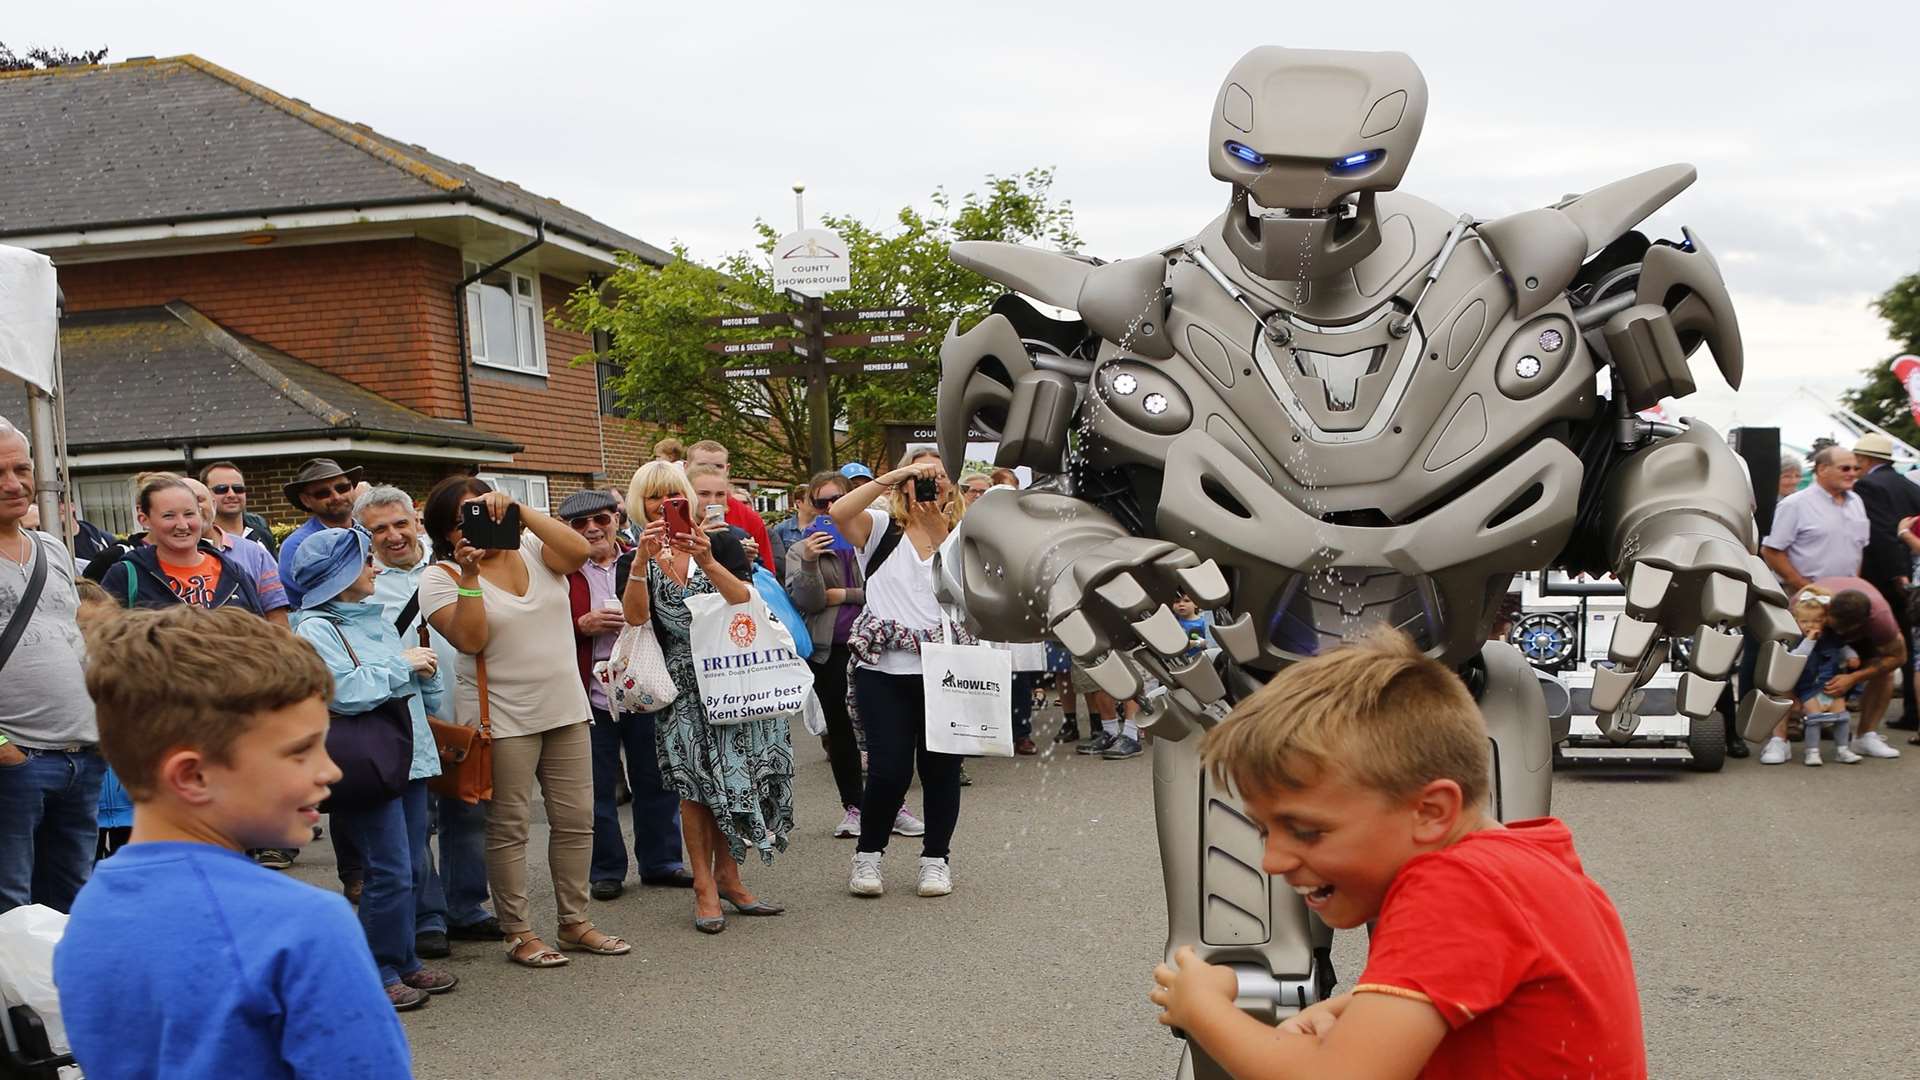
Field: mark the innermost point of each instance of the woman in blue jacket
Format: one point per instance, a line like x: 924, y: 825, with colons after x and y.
x: 333, y: 569
x: 174, y: 565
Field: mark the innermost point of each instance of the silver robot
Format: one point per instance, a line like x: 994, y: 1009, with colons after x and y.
x: 1336, y: 406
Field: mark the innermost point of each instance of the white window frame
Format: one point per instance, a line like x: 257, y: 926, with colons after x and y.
x: 107, y: 501
x: 529, y: 303
x: 528, y: 489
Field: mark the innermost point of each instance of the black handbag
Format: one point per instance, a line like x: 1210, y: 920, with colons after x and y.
x: 374, y: 750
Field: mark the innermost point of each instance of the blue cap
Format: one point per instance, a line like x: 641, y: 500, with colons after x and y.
x: 327, y: 562
x: 853, y: 470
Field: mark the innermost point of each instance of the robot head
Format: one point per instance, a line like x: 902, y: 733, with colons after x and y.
x: 1307, y: 138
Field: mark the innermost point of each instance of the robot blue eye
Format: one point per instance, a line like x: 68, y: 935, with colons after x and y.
x: 1246, y: 153
x: 1356, y: 161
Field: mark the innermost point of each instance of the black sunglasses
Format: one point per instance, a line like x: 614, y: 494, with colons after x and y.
x: 827, y: 503
x: 602, y: 519
x: 340, y: 488
x: 222, y: 489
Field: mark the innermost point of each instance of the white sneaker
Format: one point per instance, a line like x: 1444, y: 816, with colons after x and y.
x: 1873, y: 744
x: 1775, y: 752
x: 1845, y: 755
x: 936, y: 877
x: 1813, y: 755
x: 866, y: 874
x: 905, y: 824
x: 849, y: 825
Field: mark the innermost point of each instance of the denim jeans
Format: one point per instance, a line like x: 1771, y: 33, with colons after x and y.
x: 386, y: 901
x: 656, y: 811
x: 429, y: 897
x: 49, y: 814
x: 462, y: 869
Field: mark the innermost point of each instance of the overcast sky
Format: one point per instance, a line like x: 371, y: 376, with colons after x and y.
x: 687, y: 124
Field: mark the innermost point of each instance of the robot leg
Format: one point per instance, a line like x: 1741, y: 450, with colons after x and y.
x: 1521, y: 732
x: 1221, y: 903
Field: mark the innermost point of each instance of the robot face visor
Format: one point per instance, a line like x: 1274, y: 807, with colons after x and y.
x: 1289, y: 244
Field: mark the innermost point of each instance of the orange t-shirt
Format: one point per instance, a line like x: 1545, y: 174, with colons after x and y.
x: 194, y: 585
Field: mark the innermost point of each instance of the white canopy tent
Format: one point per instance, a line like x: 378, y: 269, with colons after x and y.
x: 30, y: 353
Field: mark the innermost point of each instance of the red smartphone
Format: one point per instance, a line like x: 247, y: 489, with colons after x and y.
x: 679, y: 518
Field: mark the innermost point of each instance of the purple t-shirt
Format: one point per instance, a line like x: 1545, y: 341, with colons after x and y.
x: 253, y: 557
x: 1822, y: 538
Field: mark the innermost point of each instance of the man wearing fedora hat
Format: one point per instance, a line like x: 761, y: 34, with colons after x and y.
x: 326, y: 492
x: 1887, y: 564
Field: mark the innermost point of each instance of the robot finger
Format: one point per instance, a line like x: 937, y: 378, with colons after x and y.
x: 1723, y: 556
x: 1239, y: 638
x: 1115, y: 676
x: 1646, y: 589
x: 1631, y: 639
x: 1696, y: 695
x: 1196, y: 675
x: 1610, y: 686
x: 1723, y: 599
x: 1776, y: 669
x: 1763, y: 583
x: 1205, y: 583
x: 1124, y: 593
x: 1759, y: 714
x: 1116, y: 556
x: 1714, y: 652
x: 1767, y: 621
x: 1078, y: 634
x: 1163, y: 632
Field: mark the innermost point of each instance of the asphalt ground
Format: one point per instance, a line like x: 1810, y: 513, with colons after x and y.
x: 1771, y: 913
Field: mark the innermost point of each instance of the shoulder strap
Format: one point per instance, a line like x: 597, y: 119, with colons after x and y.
x: 479, y: 665
x: 133, y: 582
x: 405, y: 618
x: 23, y: 614
x: 337, y: 632
x: 888, y: 541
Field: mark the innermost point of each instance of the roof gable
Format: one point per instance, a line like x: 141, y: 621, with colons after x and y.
x: 160, y: 141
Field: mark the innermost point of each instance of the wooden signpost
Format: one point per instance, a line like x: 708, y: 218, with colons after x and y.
x: 810, y: 344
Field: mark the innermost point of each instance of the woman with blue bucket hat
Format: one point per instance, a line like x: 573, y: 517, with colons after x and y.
x: 381, y: 690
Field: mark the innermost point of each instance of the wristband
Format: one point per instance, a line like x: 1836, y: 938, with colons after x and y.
x: 471, y: 592
x: 3, y: 739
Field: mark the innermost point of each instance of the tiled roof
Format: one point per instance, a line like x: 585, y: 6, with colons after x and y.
x: 155, y: 376
x: 158, y: 141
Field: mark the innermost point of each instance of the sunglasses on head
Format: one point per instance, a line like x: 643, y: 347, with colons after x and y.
x: 826, y: 503
x: 602, y: 519
x: 222, y: 489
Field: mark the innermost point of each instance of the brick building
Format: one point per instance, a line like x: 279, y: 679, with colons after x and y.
x: 247, y: 277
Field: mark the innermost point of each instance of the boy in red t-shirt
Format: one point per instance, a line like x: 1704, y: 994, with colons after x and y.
x: 1492, y: 953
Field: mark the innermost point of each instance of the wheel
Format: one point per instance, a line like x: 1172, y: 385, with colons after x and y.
x: 1707, y: 742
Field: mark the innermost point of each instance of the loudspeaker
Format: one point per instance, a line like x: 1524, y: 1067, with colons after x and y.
x: 1760, y: 448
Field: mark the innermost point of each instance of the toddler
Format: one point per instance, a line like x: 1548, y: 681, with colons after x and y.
x: 1827, y: 656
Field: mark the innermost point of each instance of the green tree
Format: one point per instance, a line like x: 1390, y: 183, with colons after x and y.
x: 37, y: 58
x: 1880, y: 397
x: 655, y: 321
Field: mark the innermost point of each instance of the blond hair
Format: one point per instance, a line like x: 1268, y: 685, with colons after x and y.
x: 708, y: 468
x: 1812, y: 602
x: 1376, y: 711
x: 653, y: 479
x: 669, y: 449
x: 897, y: 498
x: 185, y: 678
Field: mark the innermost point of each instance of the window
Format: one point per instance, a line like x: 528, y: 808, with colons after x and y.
x: 107, y: 501
x: 528, y: 490
x: 504, y: 327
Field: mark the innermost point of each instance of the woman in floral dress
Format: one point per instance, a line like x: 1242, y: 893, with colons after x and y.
x: 735, y: 782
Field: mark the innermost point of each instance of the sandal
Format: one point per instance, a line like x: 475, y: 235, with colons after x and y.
x: 543, y: 958
x: 607, y: 945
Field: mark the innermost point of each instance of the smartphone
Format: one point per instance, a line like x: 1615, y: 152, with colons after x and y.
x: 679, y: 519
x: 925, y: 489
x: 479, y: 529
x: 715, y: 514
x: 824, y: 524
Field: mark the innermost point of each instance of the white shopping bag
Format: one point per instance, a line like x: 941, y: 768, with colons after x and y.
x: 744, y: 661
x: 635, y: 678
x: 969, y: 695
x: 814, y: 716
x: 27, y: 937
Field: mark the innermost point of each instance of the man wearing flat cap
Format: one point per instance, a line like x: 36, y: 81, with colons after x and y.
x: 597, y: 621
x: 1887, y: 564
x: 326, y: 492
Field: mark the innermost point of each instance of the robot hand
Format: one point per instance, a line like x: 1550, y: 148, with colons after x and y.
x: 1104, y: 594
x: 1679, y: 512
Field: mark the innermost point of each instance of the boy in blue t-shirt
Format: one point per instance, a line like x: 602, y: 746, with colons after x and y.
x: 183, y: 958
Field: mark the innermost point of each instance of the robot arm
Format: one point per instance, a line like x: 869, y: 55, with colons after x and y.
x: 1030, y: 564
x: 1681, y: 532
